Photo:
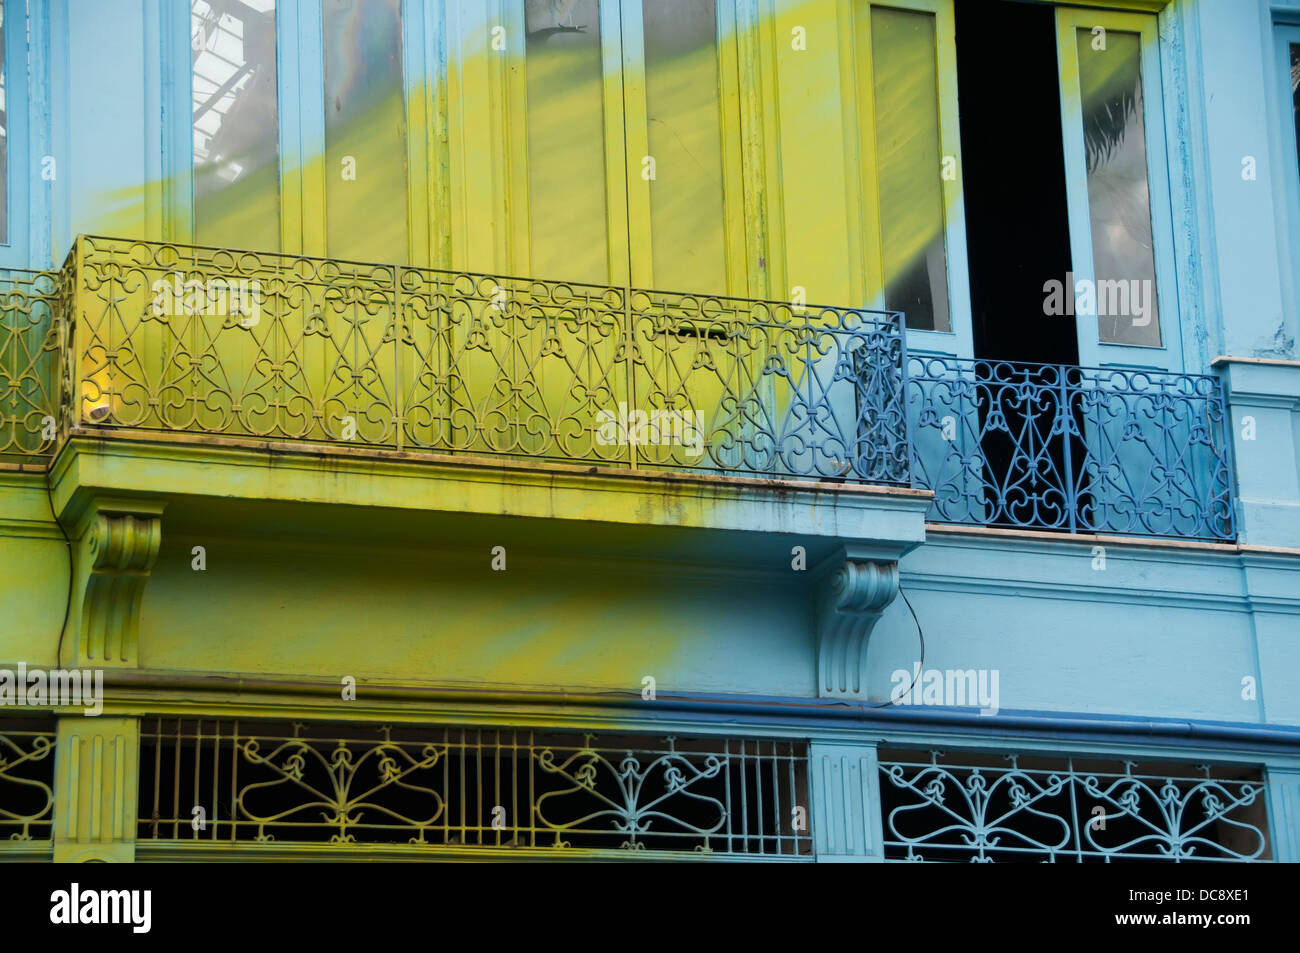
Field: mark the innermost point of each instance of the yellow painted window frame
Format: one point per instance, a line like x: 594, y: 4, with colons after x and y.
x: 637, y: 132
x: 626, y: 129
x: 867, y: 238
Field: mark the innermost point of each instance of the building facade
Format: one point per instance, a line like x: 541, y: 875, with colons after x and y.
x: 732, y: 429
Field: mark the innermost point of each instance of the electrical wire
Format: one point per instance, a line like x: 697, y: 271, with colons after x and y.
x: 67, y: 544
x: 920, y: 634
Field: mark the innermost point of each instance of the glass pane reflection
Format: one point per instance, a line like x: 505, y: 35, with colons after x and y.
x: 236, y: 137
x: 1119, y: 199
x: 906, y: 95
x: 566, y: 141
x: 684, y: 114
x: 365, y: 130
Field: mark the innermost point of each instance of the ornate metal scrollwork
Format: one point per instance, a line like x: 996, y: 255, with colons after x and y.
x: 1047, y: 446
x: 353, y: 785
x: 419, y: 359
x: 1067, y: 812
x: 26, y: 783
x: 29, y: 349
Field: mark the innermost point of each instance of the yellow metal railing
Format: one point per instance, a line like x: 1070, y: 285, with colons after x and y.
x: 155, y: 336
x: 29, y: 345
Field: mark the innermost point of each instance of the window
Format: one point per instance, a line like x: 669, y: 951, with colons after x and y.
x: 1117, y: 181
x: 903, y: 158
x: 1050, y: 808
x: 1294, y: 80
x: 1287, y: 64
x: 1119, y: 202
x: 424, y: 787
x: 625, y: 155
x: 365, y: 130
x: 4, y: 138
x: 908, y: 165
x: 566, y: 142
x: 236, y: 161
x: 684, y: 135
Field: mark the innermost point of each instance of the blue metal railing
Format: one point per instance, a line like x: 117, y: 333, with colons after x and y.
x: 983, y: 808
x: 1077, y: 449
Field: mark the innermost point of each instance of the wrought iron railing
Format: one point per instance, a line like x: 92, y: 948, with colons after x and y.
x: 29, y: 394
x: 430, y: 787
x: 26, y: 781
x: 1047, y: 446
x: 964, y: 806
x: 150, y: 336
x: 243, y: 344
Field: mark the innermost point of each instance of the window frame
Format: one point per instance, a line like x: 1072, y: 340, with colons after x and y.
x: 300, y: 111
x: 869, y: 287
x: 1285, y: 33
x: 1093, y: 352
x: 16, y: 247
x: 629, y: 230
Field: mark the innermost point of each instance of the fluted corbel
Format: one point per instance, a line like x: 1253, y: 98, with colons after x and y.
x: 116, y: 545
x: 855, y: 595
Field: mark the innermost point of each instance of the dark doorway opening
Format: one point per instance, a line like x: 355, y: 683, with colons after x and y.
x: 1017, y: 225
x: 1018, y: 239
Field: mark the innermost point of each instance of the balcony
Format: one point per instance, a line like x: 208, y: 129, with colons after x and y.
x: 211, y: 345
x: 1076, y: 449
x: 217, y: 342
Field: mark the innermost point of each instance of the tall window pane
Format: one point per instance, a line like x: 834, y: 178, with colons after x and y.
x: 365, y: 130
x: 1119, y: 200
x: 566, y: 141
x: 685, y: 133
x: 905, y: 88
x: 1294, y: 49
x: 4, y: 136
x: 236, y: 137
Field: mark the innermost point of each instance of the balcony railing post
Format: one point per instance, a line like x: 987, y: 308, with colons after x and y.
x: 399, y: 353
x: 1226, y: 456
x: 629, y: 350
x: 1064, y: 418
x: 899, y: 323
x: 78, y: 341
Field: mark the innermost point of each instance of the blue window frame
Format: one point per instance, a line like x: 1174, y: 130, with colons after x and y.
x: 15, y: 158
x: 1287, y: 130
x: 1110, y: 175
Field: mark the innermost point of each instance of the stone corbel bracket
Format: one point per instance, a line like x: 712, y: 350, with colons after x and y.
x: 854, y: 597
x: 115, y: 546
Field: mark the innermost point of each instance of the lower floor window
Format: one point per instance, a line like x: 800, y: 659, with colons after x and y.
x: 964, y: 806
x: 456, y: 787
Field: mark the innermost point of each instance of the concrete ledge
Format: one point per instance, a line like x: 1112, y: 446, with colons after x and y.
x: 218, y: 470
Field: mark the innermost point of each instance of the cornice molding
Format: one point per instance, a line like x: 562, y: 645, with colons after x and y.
x: 189, y: 694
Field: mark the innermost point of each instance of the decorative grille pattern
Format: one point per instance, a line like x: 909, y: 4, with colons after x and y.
x: 247, y: 344
x: 450, y: 787
x: 26, y: 780
x: 968, y: 807
x: 1047, y: 446
x: 157, y: 336
x: 29, y: 395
